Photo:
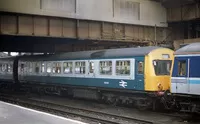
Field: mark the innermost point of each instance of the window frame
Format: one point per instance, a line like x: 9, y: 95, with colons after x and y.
x: 118, y: 74
x: 47, y: 66
x: 91, y: 67
x: 35, y: 65
x: 11, y: 67
x: 111, y: 60
x: 30, y: 67
x: 79, y: 67
x: 72, y: 67
x: 53, y: 65
x: 43, y: 66
x: 163, y: 60
x: 178, y: 72
x: 138, y: 62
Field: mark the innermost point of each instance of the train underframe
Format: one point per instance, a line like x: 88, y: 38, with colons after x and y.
x: 182, y: 103
x: 139, y: 99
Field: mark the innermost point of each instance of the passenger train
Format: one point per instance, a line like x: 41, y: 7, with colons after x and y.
x: 185, y: 81
x: 127, y: 75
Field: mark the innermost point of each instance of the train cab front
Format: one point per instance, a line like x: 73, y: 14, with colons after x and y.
x: 158, y: 77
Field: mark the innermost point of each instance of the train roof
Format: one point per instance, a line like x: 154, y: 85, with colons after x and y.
x: 105, y: 53
x: 193, y: 48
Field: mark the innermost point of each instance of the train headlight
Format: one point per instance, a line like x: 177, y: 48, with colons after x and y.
x: 160, y: 87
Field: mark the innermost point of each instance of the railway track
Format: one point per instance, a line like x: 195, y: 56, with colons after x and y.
x: 70, y: 111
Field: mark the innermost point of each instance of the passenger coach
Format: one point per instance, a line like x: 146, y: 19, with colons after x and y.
x: 186, y: 78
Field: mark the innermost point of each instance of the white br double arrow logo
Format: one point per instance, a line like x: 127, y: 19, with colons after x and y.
x: 123, y: 84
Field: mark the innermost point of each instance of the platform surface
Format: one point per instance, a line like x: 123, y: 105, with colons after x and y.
x: 14, y: 114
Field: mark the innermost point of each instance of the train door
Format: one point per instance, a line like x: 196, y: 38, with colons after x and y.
x: 139, y: 73
x: 182, y: 75
x: 91, y: 72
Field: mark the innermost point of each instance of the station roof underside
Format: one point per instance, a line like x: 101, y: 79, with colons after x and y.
x: 20, y: 43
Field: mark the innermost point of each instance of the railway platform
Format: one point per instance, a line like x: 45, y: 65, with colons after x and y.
x: 14, y: 114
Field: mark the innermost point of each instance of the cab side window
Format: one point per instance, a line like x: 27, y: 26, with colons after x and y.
x: 140, y: 68
x: 182, y: 68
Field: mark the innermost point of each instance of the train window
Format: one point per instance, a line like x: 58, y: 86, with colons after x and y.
x: 140, y: 68
x: 67, y: 67
x: 3, y: 67
x: 22, y: 68
x: 37, y: 67
x: 91, y: 67
x: 42, y: 67
x: 182, y: 68
x: 123, y: 67
x: 26, y: 67
x: 30, y: 67
x: 57, y: 67
x: 106, y: 67
x: 162, y: 67
x: 49, y: 67
x: 80, y: 67
x: 9, y: 68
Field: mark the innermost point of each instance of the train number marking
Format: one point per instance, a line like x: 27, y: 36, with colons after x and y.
x: 123, y: 84
x: 106, y: 82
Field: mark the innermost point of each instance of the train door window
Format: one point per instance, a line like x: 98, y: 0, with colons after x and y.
x: 91, y: 67
x: 182, y: 68
x: 79, y: 67
x: 37, y: 67
x: 48, y: 67
x: 42, y: 67
x: 140, y: 68
x: 122, y: 67
x: 67, y: 67
x: 57, y: 67
x: 106, y: 67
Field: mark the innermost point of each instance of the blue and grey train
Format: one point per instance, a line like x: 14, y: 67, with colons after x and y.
x: 125, y: 75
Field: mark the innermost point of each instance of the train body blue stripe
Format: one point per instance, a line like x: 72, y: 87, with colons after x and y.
x: 185, y: 80
x: 194, y: 81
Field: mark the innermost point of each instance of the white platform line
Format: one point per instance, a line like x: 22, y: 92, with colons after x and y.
x: 78, y: 122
